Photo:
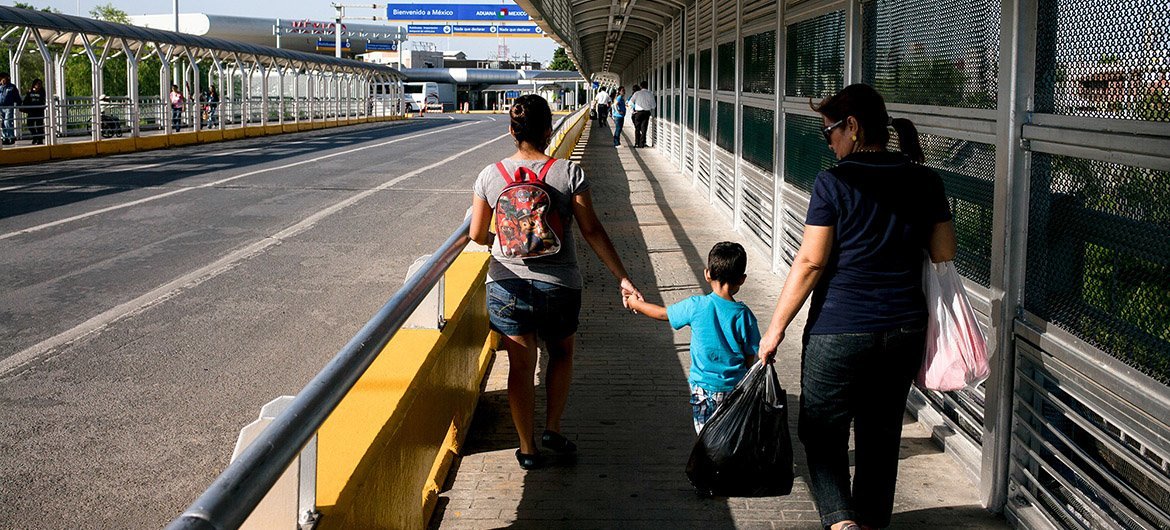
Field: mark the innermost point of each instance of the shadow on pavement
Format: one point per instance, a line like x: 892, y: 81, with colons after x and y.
x: 23, y: 188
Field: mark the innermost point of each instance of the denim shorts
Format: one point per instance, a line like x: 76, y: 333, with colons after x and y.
x: 704, y: 404
x: 518, y: 307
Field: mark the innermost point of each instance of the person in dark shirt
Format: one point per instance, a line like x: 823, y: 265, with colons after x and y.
x: 34, y: 109
x: 872, y: 220
x: 9, y: 100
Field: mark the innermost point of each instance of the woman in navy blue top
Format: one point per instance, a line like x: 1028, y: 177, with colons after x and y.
x: 871, y: 219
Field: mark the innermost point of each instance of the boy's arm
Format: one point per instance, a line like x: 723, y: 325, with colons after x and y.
x: 654, y: 311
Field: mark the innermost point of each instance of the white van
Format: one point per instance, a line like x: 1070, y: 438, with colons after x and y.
x: 421, y: 94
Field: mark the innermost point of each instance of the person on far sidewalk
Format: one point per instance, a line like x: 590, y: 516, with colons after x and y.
x: 618, y: 109
x: 9, y: 99
x: 643, y: 103
x: 34, y: 109
x: 601, y: 106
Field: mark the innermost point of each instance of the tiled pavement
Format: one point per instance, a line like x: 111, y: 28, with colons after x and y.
x: 628, y: 410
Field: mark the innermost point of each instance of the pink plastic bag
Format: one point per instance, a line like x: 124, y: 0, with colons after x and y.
x: 956, y: 351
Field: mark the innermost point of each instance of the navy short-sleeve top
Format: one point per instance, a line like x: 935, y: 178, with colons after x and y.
x: 883, y: 209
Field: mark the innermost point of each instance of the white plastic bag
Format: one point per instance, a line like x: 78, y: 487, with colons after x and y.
x: 956, y: 351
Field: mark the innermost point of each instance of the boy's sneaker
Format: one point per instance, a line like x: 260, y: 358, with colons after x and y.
x: 557, y: 443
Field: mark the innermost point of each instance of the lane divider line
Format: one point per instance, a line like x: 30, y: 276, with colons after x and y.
x: 194, y: 278
x: 218, y: 182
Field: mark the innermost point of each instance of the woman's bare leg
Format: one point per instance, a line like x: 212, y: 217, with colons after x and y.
x: 560, y: 376
x: 522, y: 362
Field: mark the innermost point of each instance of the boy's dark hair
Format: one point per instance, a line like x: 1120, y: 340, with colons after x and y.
x: 727, y: 262
x: 531, y: 121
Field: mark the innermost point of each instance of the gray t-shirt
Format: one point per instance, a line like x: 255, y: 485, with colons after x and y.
x: 564, y: 180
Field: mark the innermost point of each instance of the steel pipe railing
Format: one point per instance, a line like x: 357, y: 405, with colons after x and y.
x: 236, y: 492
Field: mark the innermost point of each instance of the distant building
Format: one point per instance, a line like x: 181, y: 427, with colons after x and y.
x: 300, y: 35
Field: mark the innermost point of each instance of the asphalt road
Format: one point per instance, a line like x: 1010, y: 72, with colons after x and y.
x: 151, y: 303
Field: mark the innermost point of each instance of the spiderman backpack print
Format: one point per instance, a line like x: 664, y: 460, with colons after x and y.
x: 528, y: 225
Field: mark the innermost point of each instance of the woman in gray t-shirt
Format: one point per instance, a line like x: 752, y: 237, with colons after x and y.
x: 531, y: 298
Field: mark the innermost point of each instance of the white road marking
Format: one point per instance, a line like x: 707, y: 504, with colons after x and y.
x: 216, y: 183
x: 194, y: 278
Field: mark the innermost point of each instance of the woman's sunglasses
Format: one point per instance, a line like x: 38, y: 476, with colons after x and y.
x: 828, y: 131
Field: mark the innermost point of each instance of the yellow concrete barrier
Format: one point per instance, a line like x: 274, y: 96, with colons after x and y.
x: 184, y: 138
x: 87, y: 149
x: 73, y: 150
x: 24, y: 155
x: 234, y: 134
x: 116, y: 145
x: 383, y: 452
x: 211, y: 135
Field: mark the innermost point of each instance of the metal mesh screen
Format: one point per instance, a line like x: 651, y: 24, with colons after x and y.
x: 705, y: 118
x: 725, y: 130
x: 932, y: 53
x: 1099, y: 256
x: 968, y: 172
x: 690, y: 70
x: 759, y: 63
x: 705, y: 69
x: 805, y: 152
x: 758, y: 146
x: 816, y: 56
x: 1105, y: 60
x: 726, y: 80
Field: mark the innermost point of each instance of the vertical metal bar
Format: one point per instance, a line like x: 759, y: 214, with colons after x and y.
x: 264, y: 104
x: 135, y: 114
x: 1008, y: 239
x: 779, y: 205
x: 853, y: 41
x: 737, y: 124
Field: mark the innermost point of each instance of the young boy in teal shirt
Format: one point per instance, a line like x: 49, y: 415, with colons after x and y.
x: 725, y: 336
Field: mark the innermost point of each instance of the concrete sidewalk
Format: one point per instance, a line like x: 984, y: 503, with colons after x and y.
x: 629, y: 411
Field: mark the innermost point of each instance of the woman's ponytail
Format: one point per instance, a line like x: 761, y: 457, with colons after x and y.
x: 908, y: 139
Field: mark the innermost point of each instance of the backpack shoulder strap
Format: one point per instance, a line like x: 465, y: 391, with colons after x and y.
x: 544, y: 170
x: 504, y: 172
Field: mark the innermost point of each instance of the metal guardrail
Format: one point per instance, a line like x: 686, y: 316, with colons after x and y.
x: 236, y: 492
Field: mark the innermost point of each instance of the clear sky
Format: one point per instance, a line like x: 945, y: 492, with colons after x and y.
x: 540, y: 49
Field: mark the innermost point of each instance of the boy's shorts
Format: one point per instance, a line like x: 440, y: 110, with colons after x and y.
x: 703, y: 405
x: 518, y: 307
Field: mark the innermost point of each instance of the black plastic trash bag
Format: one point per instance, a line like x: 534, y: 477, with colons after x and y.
x: 745, y: 449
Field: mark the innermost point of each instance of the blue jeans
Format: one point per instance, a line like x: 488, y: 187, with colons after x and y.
x: 517, y: 307
x: 617, y: 129
x: 176, y: 117
x: 8, y: 123
x: 863, y: 379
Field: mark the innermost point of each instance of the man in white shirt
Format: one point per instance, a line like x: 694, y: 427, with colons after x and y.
x: 643, y: 102
x: 601, y: 106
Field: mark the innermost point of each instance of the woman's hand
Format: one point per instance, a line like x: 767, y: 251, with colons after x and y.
x: 629, y: 290
x: 769, y: 343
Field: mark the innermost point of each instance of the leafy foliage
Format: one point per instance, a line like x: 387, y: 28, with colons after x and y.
x: 560, y: 60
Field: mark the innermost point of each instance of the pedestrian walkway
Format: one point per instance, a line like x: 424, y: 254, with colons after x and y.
x: 628, y: 410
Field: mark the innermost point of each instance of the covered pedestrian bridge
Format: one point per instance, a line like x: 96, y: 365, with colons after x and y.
x: 1050, y: 123
x: 107, y: 87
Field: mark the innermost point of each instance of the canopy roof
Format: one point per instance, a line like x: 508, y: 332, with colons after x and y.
x: 603, y: 36
x: 60, y: 27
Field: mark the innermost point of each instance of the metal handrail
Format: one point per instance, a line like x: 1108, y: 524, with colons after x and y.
x: 237, y: 491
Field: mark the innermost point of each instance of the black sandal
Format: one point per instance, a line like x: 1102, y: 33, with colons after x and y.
x: 557, y: 443
x: 527, y: 461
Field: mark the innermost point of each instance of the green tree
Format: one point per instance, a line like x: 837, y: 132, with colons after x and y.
x: 560, y: 60
x: 109, y: 13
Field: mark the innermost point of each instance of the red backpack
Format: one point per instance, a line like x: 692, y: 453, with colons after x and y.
x: 528, y: 224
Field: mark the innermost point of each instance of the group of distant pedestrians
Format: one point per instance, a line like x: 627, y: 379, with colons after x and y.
x: 614, y: 103
x: 32, y: 104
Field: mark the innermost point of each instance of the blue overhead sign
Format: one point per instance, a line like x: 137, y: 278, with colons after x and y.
x: 511, y: 94
x: 391, y: 46
x: 332, y: 44
x: 428, y: 29
x: 474, y: 30
x: 457, y: 12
